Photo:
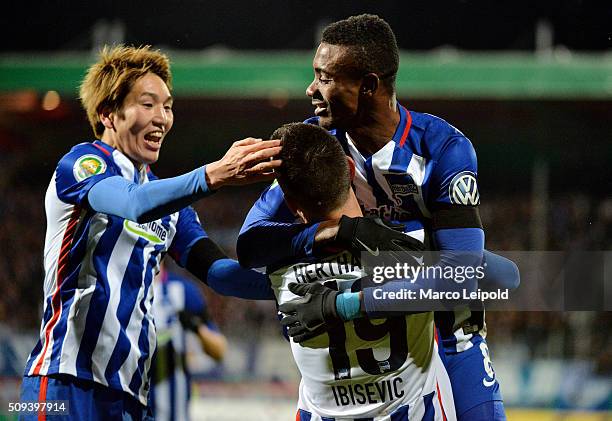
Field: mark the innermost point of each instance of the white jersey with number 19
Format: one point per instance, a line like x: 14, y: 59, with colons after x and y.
x: 383, y: 369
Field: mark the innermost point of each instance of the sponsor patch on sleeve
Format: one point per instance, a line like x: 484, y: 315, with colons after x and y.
x: 463, y: 189
x: 87, y: 166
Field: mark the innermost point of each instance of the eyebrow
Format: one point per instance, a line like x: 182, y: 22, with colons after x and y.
x: 156, y: 97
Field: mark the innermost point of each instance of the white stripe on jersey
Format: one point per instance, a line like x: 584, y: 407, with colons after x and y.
x: 416, y: 169
x: 117, y: 265
x: 123, y: 162
x: 74, y: 330
x: 381, y: 161
x: 144, y: 390
x: 86, y: 287
x: 363, y: 190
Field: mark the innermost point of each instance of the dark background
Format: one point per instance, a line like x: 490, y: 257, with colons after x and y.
x: 294, y: 24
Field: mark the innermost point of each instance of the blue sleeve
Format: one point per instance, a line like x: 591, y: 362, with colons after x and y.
x: 269, y: 234
x: 188, y: 231
x: 227, y: 277
x: 499, y: 272
x: 454, y: 176
x: 458, y: 247
x: 79, y: 171
x: 149, y: 201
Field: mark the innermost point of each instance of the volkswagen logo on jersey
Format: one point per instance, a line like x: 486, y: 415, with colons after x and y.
x: 463, y: 190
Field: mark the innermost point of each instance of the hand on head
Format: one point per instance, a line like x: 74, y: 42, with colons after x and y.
x: 247, y: 161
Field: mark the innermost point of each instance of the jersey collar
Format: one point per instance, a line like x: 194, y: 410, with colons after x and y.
x: 105, y: 148
x: 403, y: 128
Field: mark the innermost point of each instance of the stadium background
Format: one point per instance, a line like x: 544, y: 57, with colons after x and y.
x: 529, y: 83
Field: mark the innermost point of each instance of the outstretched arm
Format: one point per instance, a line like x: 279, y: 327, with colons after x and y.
x: 244, y: 163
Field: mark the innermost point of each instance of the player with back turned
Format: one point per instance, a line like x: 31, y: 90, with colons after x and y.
x: 412, y: 168
x: 109, y: 223
x: 387, y: 369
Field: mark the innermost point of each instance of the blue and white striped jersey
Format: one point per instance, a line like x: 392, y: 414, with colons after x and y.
x: 427, y: 164
x: 97, y: 323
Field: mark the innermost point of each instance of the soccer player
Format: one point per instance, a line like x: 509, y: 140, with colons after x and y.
x: 411, y: 167
x: 383, y: 369
x: 109, y: 223
x: 178, y: 307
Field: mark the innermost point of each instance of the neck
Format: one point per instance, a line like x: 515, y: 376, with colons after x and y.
x: 350, y: 208
x: 109, y: 138
x: 377, y: 127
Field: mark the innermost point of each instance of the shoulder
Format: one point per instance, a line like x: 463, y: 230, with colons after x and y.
x: 435, y: 136
x: 83, y: 161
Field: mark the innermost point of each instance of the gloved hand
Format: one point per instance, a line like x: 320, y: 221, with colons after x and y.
x: 312, y: 314
x: 385, y: 244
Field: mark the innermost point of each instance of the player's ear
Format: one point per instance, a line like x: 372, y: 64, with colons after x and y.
x: 106, y: 116
x: 369, y: 84
x: 351, y: 167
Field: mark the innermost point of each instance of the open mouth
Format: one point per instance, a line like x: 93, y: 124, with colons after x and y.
x: 153, y: 140
x: 320, y: 109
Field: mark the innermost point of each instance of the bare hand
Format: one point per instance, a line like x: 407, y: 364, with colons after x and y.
x: 247, y: 161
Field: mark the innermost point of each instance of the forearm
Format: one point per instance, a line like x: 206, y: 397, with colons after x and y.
x: 460, y: 249
x: 149, y: 201
x: 267, y: 243
x: 225, y: 276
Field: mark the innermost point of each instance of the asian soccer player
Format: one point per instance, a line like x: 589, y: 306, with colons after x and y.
x: 109, y: 223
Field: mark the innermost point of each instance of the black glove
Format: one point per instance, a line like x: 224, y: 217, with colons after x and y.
x: 192, y: 321
x: 312, y: 314
x: 385, y: 243
x: 371, y: 234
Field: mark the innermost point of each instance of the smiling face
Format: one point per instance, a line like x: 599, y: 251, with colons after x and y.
x: 335, y: 88
x: 139, y: 127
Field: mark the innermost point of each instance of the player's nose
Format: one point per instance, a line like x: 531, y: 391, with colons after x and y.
x: 160, y: 117
x: 311, y: 89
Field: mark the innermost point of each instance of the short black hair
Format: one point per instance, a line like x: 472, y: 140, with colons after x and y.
x: 372, y: 43
x: 314, y: 173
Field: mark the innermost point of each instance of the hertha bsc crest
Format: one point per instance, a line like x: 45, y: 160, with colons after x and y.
x: 463, y: 190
